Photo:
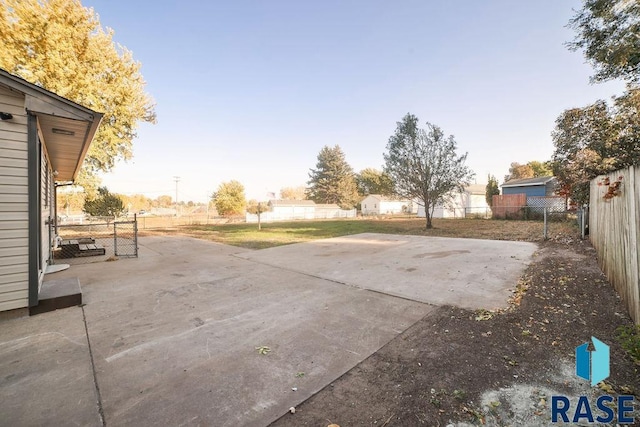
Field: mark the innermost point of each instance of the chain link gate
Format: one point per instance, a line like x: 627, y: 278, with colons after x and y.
x: 125, y: 239
x: 95, y: 242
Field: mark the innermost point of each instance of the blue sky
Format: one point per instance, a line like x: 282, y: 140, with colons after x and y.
x: 252, y: 90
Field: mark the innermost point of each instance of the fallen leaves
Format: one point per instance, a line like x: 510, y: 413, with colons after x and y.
x: 263, y: 349
x: 483, y: 314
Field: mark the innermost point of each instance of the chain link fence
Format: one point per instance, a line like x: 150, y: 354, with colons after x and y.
x: 95, y: 241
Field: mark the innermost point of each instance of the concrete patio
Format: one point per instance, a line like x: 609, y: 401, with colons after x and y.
x: 171, y: 338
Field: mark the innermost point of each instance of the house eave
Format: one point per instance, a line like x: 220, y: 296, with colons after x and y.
x: 66, y: 127
x: 528, y: 184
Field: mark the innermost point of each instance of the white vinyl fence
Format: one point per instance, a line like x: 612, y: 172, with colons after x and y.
x: 287, y: 216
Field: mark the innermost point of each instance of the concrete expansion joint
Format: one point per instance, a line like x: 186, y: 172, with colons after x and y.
x: 375, y: 291
x: 93, y: 371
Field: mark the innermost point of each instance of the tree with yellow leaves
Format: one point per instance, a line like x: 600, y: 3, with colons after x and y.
x: 61, y: 46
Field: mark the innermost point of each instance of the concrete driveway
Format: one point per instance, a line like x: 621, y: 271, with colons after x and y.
x: 468, y: 273
x: 171, y: 337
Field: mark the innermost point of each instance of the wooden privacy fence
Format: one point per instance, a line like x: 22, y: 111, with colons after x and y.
x: 508, y: 205
x: 614, y: 230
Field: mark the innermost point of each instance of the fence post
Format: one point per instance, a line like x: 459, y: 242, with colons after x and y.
x: 115, y: 239
x: 583, y: 222
x: 545, y: 224
x: 135, y: 233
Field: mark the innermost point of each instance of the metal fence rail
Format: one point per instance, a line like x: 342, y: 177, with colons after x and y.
x: 554, y: 211
x: 95, y: 242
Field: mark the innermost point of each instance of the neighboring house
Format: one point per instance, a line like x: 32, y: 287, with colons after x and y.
x: 540, y: 186
x: 376, y: 204
x: 43, y: 141
x: 476, y: 199
x: 540, y: 193
x: 293, y: 209
x: 470, y: 202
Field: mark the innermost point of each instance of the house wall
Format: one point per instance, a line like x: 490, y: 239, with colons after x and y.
x: 374, y: 205
x: 462, y: 205
x: 370, y: 205
x: 14, y: 205
x: 453, y: 209
x: 478, y: 205
x: 390, y: 207
x: 531, y: 190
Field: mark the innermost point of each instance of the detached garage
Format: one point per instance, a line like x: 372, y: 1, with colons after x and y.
x: 543, y: 186
x: 43, y: 141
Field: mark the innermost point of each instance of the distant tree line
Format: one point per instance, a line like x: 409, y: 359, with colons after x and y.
x: 73, y: 202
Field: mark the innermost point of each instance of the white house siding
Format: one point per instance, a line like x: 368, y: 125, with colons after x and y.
x: 14, y: 204
x: 390, y: 207
x: 374, y: 204
x: 478, y: 206
x: 370, y: 205
x: 461, y: 205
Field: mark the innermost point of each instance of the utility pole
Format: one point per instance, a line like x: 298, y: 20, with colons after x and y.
x: 177, y: 180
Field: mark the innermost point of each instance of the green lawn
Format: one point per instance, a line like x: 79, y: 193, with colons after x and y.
x: 283, y: 233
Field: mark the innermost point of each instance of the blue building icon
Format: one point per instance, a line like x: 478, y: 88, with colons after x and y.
x: 593, y: 365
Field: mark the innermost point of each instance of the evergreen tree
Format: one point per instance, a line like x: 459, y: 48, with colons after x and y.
x: 333, y: 180
x: 492, y: 190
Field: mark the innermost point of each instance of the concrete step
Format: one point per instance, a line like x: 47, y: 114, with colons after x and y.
x: 56, y: 294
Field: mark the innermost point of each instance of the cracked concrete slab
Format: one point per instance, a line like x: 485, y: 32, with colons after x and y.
x: 469, y: 273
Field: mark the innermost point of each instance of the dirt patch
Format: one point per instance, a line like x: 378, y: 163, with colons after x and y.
x: 460, y: 367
